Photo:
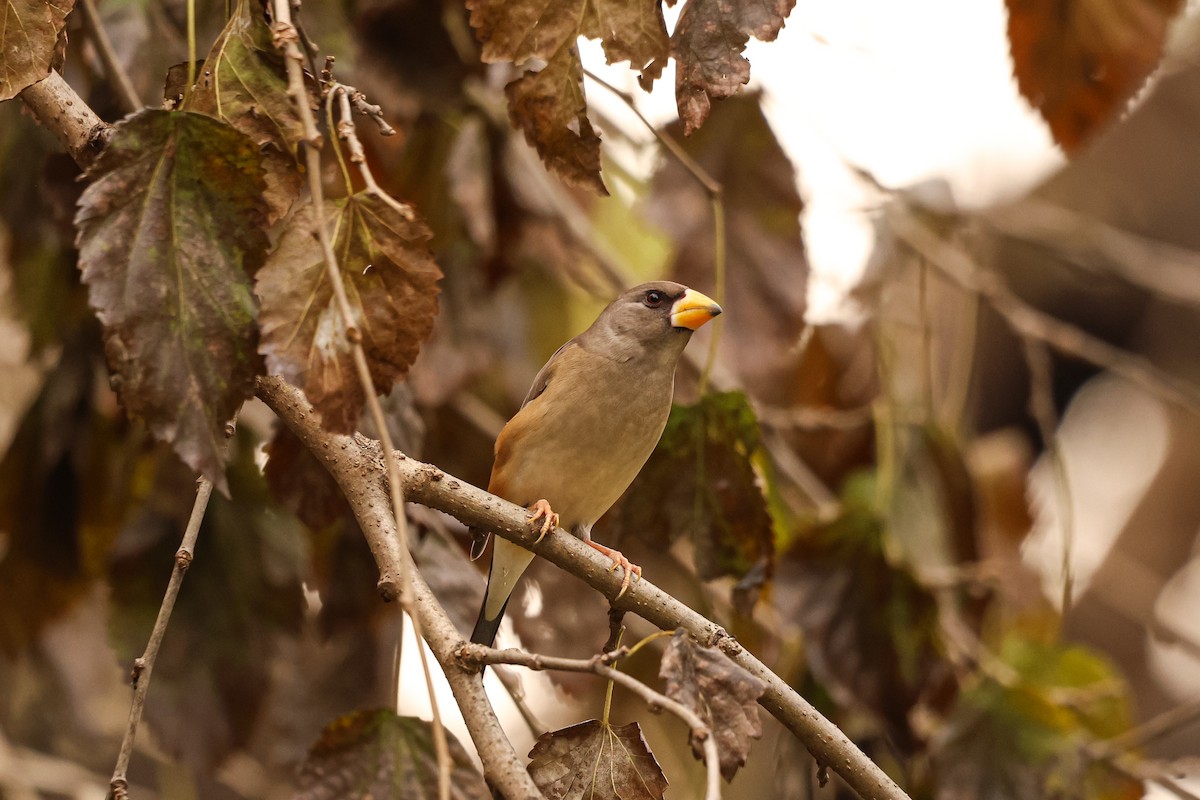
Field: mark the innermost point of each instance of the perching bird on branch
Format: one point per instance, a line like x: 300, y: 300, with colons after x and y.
x: 587, y: 426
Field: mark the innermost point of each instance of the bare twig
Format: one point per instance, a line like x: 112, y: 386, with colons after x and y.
x: 144, y: 666
x: 287, y: 39
x: 349, y: 459
x: 1029, y: 322
x: 512, y: 685
x: 1153, y: 728
x: 126, y: 94
x: 68, y: 117
x: 600, y: 665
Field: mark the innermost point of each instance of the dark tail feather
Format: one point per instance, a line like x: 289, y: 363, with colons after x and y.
x: 485, y: 629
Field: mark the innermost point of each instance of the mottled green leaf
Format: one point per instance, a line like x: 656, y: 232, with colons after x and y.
x: 391, y: 282
x: 170, y: 230
x: 596, y: 761
x: 29, y: 31
x: 244, y: 83
x: 1025, y: 737
x: 700, y: 483
x: 376, y: 755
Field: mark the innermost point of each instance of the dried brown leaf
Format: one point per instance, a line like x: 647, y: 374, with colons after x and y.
x: 170, y: 229
x: 707, y: 46
x: 550, y: 108
x: 721, y: 692
x: 595, y: 761
x: 1079, y: 61
x: 378, y: 755
x: 391, y: 282
x: 300, y: 483
x: 29, y: 31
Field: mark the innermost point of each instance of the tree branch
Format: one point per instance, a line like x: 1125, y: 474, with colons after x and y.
x: 356, y: 463
x: 601, y: 665
x: 64, y: 113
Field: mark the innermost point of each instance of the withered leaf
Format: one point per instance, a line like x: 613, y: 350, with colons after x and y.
x: 707, y: 46
x: 391, y: 282
x: 550, y: 108
x: 170, y: 229
x: 1079, y: 61
x: 243, y: 607
x: 871, y: 629
x: 379, y: 755
x: 244, y: 84
x: 700, y: 482
x: 595, y: 761
x: 722, y: 693
x: 300, y: 483
x: 518, y: 31
x: 29, y: 31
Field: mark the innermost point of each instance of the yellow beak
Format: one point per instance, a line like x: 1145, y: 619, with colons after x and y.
x: 693, y: 310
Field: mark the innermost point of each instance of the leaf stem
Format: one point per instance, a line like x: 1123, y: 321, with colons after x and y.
x: 191, y: 45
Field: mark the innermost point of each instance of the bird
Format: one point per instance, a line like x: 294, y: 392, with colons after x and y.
x: 591, y: 419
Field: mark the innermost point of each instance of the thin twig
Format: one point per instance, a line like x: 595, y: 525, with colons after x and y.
x: 1153, y: 728
x: 287, y: 39
x: 61, y: 110
x: 348, y: 459
x: 126, y: 94
x: 1030, y: 322
x: 144, y: 666
x: 601, y: 665
x: 1041, y: 408
x: 512, y: 685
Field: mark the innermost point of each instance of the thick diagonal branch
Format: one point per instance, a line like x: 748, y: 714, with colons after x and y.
x: 357, y: 465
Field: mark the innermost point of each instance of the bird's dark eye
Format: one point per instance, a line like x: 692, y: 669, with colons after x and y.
x: 654, y: 299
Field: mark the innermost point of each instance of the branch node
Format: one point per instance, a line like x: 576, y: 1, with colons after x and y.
x: 389, y: 590
x: 119, y: 789
x: 135, y: 674
x: 183, y: 558
x: 822, y: 774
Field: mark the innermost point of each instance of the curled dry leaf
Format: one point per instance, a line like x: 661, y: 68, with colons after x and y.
x: 170, y: 230
x: 244, y: 84
x: 722, y: 693
x: 550, y: 108
x: 29, y: 31
x: 391, y: 282
x: 549, y: 105
x: 707, y: 46
x: 1079, y: 61
x: 377, y: 754
x: 596, y: 761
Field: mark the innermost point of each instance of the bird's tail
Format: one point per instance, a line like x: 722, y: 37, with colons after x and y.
x: 485, y: 629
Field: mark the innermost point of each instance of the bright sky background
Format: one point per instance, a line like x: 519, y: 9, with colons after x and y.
x: 911, y: 92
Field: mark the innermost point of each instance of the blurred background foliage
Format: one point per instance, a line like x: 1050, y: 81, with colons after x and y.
x: 964, y: 527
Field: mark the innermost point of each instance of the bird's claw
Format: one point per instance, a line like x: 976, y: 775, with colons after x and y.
x: 632, y: 571
x: 549, y: 520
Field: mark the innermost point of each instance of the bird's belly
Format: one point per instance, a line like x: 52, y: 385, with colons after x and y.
x: 583, y: 463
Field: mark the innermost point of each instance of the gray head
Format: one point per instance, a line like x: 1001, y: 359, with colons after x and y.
x: 657, y: 317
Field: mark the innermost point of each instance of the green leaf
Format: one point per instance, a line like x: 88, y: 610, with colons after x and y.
x: 700, y: 483
x: 391, y: 283
x: 596, y: 761
x: 244, y: 83
x: 169, y: 230
x: 377, y: 755
x: 1025, y: 737
x: 29, y: 31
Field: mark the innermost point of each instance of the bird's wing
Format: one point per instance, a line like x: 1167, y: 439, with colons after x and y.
x: 545, y: 374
